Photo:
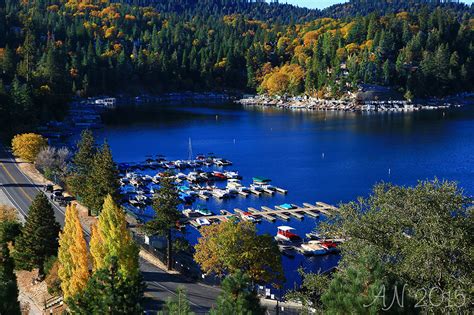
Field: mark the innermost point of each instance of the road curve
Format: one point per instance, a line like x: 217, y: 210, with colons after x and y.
x: 161, y: 285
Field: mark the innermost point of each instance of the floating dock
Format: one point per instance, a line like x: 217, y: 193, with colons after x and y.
x: 272, y: 215
x: 262, y: 214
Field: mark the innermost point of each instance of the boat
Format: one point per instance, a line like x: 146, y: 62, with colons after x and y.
x: 186, y: 190
x: 313, y: 236
x: 202, y: 222
x: 203, y: 211
x: 232, y: 175
x: 221, y: 162
x: 219, y: 193
x: 193, y: 177
x: 247, y: 216
x: 170, y: 165
x: 330, y: 246
x: 180, y: 164
x: 180, y: 176
x: 219, y: 175
x: 313, y: 248
x: 200, y: 157
x: 264, y: 184
x: 286, y: 206
x: 189, y: 213
x: 286, y: 235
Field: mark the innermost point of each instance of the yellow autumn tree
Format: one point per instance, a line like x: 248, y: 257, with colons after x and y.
x: 26, y: 146
x: 73, y: 269
x: 110, y: 238
x: 285, y: 80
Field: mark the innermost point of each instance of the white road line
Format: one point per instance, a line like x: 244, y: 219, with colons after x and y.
x: 13, y: 201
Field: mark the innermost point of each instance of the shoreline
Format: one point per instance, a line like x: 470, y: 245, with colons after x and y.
x: 353, y: 104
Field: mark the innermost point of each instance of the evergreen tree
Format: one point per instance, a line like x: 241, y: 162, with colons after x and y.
x: 238, y: 297
x: 82, y: 162
x: 165, y: 205
x: 108, y: 292
x: 8, y: 286
x: 102, y: 180
x: 178, y: 305
x: 39, y: 238
x: 111, y: 238
x: 72, y: 255
x: 365, y: 287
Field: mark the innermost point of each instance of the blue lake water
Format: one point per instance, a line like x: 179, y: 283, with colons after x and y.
x: 318, y: 156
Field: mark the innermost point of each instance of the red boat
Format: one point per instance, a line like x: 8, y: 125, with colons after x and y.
x: 219, y: 175
x: 330, y: 246
x: 285, y: 234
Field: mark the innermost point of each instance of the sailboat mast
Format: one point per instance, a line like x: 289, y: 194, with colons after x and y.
x: 190, y: 150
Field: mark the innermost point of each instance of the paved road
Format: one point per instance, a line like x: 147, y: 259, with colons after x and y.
x: 20, y: 190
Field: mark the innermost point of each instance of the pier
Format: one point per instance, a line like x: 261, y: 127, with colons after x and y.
x: 271, y: 215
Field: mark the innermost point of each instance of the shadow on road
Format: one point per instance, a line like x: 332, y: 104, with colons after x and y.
x: 163, y: 277
x: 21, y: 185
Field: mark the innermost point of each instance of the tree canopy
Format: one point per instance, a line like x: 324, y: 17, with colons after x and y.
x: 229, y: 247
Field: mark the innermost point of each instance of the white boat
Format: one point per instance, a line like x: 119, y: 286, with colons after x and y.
x: 202, y: 222
x: 219, y: 193
x: 181, y: 176
x: 193, y: 176
x: 232, y: 175
x: 313, y: 248
x: 189, y: 213
x: 247, y: 216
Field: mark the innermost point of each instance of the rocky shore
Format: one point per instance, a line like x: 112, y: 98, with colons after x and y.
x: 350, y: 104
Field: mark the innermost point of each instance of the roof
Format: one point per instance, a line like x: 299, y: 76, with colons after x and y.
x: 261, y: 179
x: 285, y: 228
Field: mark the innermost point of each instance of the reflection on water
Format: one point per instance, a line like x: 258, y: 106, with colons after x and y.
x: 317, y: 156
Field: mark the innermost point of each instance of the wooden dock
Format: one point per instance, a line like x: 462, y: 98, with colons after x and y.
x: 278, y: 213
x: 269, y: 214
x: 262, y: 214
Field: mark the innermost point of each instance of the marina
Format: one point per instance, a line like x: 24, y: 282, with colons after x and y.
x: 268, y: 213
x: 203, y: 178
x: 316, y: 156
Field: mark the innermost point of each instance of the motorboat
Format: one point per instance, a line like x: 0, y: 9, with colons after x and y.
x: 313, y: 248
x: 286, y: 234
x: 203, y: 211
x: 247, y: 216
x: 202, y: 222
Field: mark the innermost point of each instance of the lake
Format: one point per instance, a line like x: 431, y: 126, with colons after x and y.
x: 318, y: 156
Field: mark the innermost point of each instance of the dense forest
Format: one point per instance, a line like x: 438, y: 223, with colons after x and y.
x: 53, y: 49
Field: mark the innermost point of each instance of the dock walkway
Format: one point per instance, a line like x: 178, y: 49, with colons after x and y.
x: 269, y: 214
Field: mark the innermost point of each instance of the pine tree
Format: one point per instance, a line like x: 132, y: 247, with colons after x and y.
x: 39, y: 238
x: 102, y: 180
x: 108, y: 292
x: 178, y: 305
x: 165, y: 205
x: 358, y: 288
x: 238, y: 297
x: 82, y: 162
x: 110, y: 238
x: 72, y: 255
x: 8, y: 286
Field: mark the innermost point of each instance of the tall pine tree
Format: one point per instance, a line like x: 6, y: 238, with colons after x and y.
x: 102, y: 180
x: 39, y: 238
x: 165, y: 205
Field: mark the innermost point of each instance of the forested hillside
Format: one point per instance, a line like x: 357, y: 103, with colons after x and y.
x: 364, y: 7
x: 52, y: 49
